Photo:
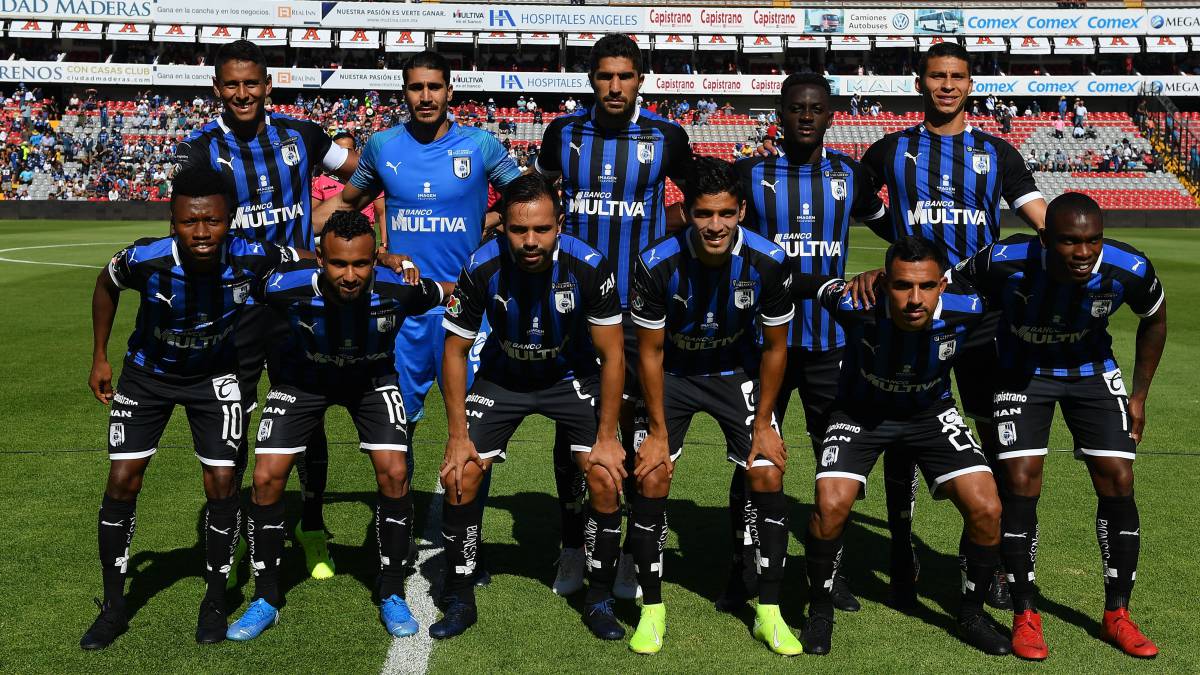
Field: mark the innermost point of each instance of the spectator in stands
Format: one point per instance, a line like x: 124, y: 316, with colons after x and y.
x: 1062, y: 107
x: 989, y: 104
x: 727, y: 109
x: 1060, y: 160
x: 1032, y: 163
x: 1035, y: 108
x: 855, y: 105
x: 1081, y: 112
x: 975, y: 112
x: 571, y: 104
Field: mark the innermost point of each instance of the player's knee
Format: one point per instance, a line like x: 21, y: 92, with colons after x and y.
x: 600, y: 482
x: 1114, y: 479
x: 655, y: 484
x: 393, y: 479
x: 124, y: 480
x: 219, y: 482
x: 831, y: 511
x: 984, y: 514
x: 268, y: 485
x: 765, y: 478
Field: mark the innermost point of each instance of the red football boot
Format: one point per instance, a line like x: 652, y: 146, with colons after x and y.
x: 1120, y: 630
x: 1027, y: 640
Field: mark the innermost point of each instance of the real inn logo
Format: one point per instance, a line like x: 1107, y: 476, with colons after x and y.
x: 283, y: 12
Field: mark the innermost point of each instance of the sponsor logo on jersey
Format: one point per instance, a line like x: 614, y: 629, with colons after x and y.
x: 264, y: 429
x: 118, y: 397
x: 226, y: 388
x: 943, y: 212
x: 1008, y: 432
x: 454, y: 306
x: 601, y: 203
x: 275, y: 395
x: 125, y: 414
x: 462, y: 167
x: 116, y: 434
x: 535, y: 327
x: 1116, y: 385
x: 263, y: 215
x: 802, y: 245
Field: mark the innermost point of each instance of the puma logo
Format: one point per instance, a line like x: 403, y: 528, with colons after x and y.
x: 1015, y: 535
x: 774, y: 522
x: 224, y: 531
x: 772, y: 185
x: 974, y: 302
x: 394, y: 167
x: 1000, y: 252
x: 647, y: 528
x: 870, y: 346
x: 912, y: 156
x: 577, y: 149
x: 119, y: 523
x: 589, y: 256
x: 682, y: 299
x: 1137, y: 264
x: 393, y: 520
x: 310, y: 328
x: 165, y: 299
x: 273, y: 527
x: 1023, y: 296
x: 222, y: 160
x: 1135, y: 533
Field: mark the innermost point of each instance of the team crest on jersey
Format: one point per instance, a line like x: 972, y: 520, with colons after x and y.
x: 116, y: 434
x: 240, y: 293
x: 743, y: 298
x: 1008, y: 432
x: 385, y: 324
x: 837, y: 187
x: 454, y: 305
x: 981, y: 163
x: 564, y: 301
x: 462, y: 167
x: 290, y: 153
x: 1101, y: 308
x: 946, y: 350
x: 645, y: 152
x: 829, y: 456
x: 264, y: 429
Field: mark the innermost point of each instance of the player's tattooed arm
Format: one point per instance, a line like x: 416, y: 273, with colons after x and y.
x: 765, y: 441
x: 654, y: 452
x: 1151, y: 340
x: 607, y: 453
x: 460, y: 451
x: 104, y: 310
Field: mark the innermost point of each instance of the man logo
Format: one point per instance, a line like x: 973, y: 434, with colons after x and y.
x: 290, y: 154
x: 829, y: 456
x: 1101, y: 308
x: 982, y: 164
x: 264, y: 429
x: 226, y: 388
x: 946, y: 350
x: 743, y: 298
x: 645, y: 152
x: 1008, y: 432
x: 564, y: 301
x: 462, y: 167
x: 116, y: 434
x: 837, y: 187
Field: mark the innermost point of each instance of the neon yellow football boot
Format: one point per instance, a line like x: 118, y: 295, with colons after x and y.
x: 316, y: 552
x: 770, y: 627
x: 648, y: 638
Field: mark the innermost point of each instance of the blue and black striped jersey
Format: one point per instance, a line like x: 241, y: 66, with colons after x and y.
x: 1055, y: 329
x: 539, y: 321
x: 614, y: 182
x: 185, y: 322
x: 948, y: 188
x: 269, y: 175
x: 806, y: 210
x: 332, y: 343
x: 889, y: 373
x: 710, y: 313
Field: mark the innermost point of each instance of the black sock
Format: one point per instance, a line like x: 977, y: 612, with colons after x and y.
x: 393, y: 529
x: 222, y: 527
x: 481, y: 500
x: 739, y: 510
x: 266, y: 530
x: 571, y: 486
x: 313, y: 471
x: 1118, y: 531
x: 900, y: 483
x: 460, y: 534
x: 821, y: 557
x: 770, y: 531
x: 602, y: 544
x: 647, y: 538
x: 1018, y: 548
x: 115, y: 528
x: 980, y: 563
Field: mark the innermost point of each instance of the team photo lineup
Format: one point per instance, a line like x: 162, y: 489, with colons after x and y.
x: 425, y: 264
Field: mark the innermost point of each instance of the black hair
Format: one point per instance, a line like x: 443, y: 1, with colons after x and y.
x: 347, y: 225
x: 427, y: 59
x: 200, y: 181
x: 940, y: 50
x: 239, y: 50
x: 711, y: 176
x: 1072, y: 205
x: 804, y: 79
x: 615, y: 45
x: 527, y: 189
x: 345, y: 134
x: 916, y: 249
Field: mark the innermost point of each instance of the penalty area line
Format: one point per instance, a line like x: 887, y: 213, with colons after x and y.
x: 50, y: 262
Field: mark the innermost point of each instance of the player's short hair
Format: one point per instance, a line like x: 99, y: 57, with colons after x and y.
x: 347, y: 225
x: 239, y: 50
x: 427, y: 59
x: 941, y: 49
x: 200, y: 181
x: 614, y: 45
x: 527, y: 189
x: 1073, y: 205
x: 804, y: 79
x: 916, y: 249
x: 345, y: 134
x: 711, y: 176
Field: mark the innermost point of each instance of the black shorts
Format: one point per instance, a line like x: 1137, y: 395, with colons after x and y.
x: 494, y: 412
x: 814, y: 374
x: 142, y: 405
x: 1095, y: 407
x: 291, y: 414
x: 259, y: 334
x: 939, y: 442
x: 976, y: 368
x: 730, y: 399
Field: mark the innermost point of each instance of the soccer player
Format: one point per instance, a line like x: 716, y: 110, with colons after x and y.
x: 268, y: 161
x: 614, y: 158
x: 344, y: 315
x: 193, y: 286
x: 697, y: 297
x: 1056, y: 292
x: 945, y: 180
x: 894, y: 393
x: 803, y: 199
x: 552, y: 304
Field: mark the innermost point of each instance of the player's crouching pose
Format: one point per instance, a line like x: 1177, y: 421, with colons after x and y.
x: 343, y: 315
x: 894, y: 393
x: 1056, y: 293
x: 544, y: 294
x: 193, y: 286
x: 696, y: 298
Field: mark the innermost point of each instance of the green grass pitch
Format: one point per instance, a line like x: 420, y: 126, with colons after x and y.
x: 53, y: 466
